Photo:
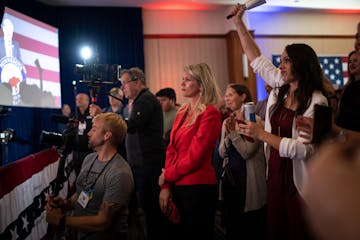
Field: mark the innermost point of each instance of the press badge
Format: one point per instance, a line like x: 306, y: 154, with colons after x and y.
x: 81, y: 128
x: 83, y: 199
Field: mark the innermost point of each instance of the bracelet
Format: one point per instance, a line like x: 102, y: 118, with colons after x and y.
x: 342, y: 135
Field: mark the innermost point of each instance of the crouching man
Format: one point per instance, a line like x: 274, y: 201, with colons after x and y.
x: 103, y: 187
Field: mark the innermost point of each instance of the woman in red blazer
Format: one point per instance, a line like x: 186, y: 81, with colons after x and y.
x: 188, y: 178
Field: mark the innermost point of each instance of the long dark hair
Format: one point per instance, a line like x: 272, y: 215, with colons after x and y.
x: 306, y: 69
x: 351, y: 76
x: 241, y: 89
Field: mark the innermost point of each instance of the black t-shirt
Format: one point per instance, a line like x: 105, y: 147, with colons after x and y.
x: 349, y: 107
x: 84, y: 126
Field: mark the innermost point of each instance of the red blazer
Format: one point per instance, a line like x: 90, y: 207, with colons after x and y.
x: 189, y: 154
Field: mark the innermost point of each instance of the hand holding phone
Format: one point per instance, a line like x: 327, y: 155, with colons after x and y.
x: 322, y: 122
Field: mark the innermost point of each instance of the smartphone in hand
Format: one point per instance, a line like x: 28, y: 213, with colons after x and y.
x: 322, y: 122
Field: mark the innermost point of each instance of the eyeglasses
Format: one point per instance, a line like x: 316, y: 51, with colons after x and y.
x: 123, y: 83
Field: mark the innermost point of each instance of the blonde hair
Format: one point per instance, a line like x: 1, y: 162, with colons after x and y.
x: 209, y: 90
x: 115, y: 124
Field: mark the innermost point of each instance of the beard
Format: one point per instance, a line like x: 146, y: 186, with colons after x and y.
x: 95, y: 144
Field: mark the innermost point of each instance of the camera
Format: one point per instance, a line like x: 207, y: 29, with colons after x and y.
x: 6, y: 136
x: 92, y: 71
x: 52, y: 138
x: 65, y: 140
x: 98, y: 72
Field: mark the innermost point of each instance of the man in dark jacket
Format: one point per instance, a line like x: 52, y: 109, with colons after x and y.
x: 144, y: 146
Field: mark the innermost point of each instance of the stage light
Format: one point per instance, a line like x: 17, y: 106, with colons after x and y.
x: 86, y: 53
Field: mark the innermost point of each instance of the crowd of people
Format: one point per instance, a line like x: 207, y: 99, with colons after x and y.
x: 154, y: 157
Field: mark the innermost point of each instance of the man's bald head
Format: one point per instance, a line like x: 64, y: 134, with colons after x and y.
x: 82, y: 101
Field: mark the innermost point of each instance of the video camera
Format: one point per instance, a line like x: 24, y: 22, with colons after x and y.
x: 65, y: 140
x: 52, y: 138
x: 99, y: 72
x: 64, y: 143
x: 95, y: 76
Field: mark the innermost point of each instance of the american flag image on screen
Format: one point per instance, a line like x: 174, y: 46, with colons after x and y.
x: 335, y: 68
x: 36, y: 46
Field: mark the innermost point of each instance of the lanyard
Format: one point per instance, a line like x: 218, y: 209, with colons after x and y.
x: 102, y: 170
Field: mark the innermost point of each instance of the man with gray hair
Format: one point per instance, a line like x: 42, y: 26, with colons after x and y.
x: 144, y: 147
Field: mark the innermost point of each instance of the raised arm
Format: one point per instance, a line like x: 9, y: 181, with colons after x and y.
x: 250, y: 47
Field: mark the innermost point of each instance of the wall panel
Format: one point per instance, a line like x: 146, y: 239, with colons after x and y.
x: 165, y: 58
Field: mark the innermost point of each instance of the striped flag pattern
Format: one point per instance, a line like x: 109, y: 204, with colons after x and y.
x: 39, y: 50
x: 24, y: 187
x: 335, y: 68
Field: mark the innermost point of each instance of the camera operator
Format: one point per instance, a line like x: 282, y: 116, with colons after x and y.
x: 82, y: 115
x: 103, y: 188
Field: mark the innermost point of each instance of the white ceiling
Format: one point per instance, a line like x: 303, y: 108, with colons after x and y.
x: 271, y: 5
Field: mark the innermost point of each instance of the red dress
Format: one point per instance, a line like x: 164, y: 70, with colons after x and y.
x: 285, y: 206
